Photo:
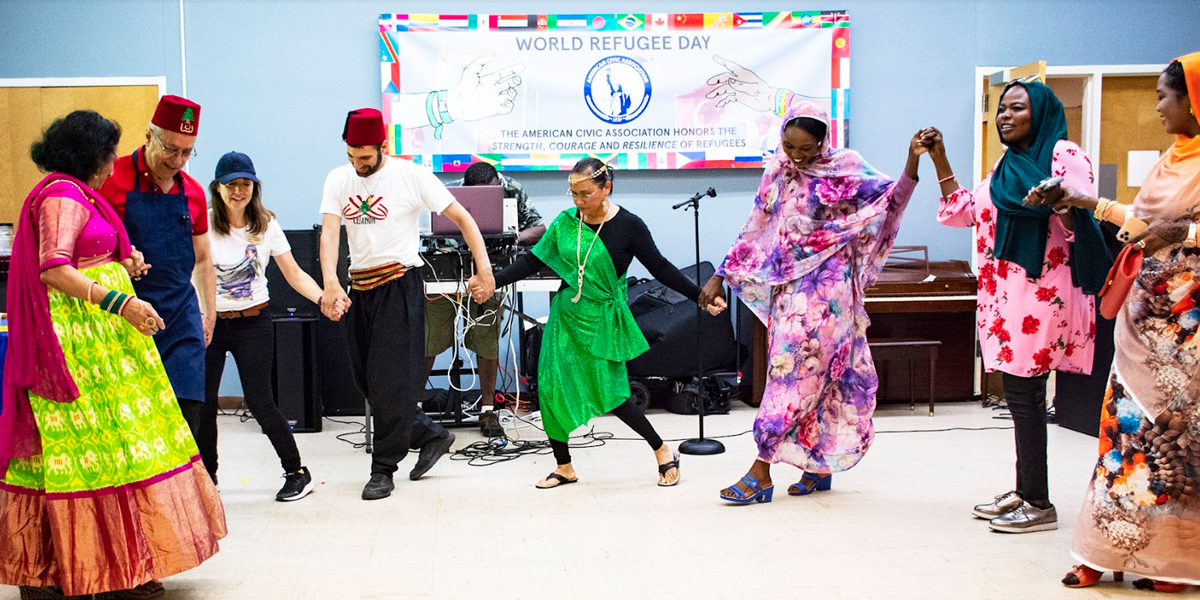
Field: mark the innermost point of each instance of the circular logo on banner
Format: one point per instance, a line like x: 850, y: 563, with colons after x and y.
x: 617, y: 90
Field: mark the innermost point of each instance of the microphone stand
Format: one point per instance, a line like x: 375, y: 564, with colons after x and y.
x: 699, y: 446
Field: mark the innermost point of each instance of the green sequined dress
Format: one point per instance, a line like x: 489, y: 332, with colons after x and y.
x: 581, y: 368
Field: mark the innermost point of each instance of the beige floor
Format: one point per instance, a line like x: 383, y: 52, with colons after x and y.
x: 897, y: 526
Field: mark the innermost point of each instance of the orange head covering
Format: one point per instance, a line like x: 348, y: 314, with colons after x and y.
x: 1191, y: 73
x: 1173, y: 185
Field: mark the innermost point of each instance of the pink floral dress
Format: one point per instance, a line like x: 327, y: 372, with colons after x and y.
x: 1028, y: 327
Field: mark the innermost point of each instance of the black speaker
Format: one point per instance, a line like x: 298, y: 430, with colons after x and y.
x: 671, y: 332
x: 340, y: 396
x: 296, y: 376
x: 285, y: 301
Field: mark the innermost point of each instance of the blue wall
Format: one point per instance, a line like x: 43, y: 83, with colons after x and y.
x: 276, y: 79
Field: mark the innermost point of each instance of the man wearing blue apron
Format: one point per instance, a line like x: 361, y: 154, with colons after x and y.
x: 165, y: 214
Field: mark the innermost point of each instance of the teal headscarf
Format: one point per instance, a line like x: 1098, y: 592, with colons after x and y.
x: 1021, y: 230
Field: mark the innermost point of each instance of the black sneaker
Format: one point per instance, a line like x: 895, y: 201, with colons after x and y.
x: 380, y: 486
x: 489, y: 425
x: 297, y: 485
x: 429, y: 455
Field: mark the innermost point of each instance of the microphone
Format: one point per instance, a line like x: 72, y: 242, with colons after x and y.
x: 712, y: 193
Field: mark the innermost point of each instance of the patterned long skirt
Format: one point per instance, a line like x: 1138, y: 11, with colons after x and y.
x: 118, y: 496
x: 1141, y: 513
x: 821, y: 383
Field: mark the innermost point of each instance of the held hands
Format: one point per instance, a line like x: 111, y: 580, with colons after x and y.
x: 142, y: 316
x: 1060, y: 198
x: 922, y: 140
x: 481, y: 287
x: 334, y: 303
x: 712, y: 296
x: 717, y: 306
x: 135, y: 265
x: 930, y: 139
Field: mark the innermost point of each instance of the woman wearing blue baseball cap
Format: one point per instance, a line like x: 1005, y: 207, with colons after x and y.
x: 244, y: 236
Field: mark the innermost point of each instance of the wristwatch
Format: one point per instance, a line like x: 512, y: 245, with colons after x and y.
x: 1190, y: 240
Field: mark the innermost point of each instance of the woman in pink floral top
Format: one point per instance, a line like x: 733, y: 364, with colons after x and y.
x: 1034, y: 318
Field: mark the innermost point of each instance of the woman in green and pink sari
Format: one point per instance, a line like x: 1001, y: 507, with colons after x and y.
x: 101, y: 486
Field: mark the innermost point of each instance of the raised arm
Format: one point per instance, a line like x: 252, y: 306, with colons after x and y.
x: 957, y: 208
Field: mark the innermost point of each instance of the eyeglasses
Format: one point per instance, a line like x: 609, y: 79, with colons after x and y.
x: 582, y: 195
x: 174, y: 152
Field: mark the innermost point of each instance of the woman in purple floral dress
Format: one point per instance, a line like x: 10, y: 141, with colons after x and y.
x: 821, y: 227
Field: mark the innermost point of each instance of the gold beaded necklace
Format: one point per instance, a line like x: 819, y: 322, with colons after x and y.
x: 582, y: 263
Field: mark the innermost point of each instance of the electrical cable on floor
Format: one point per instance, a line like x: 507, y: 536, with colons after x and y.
x: 362, y: 430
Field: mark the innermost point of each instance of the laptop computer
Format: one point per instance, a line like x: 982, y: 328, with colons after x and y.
x: 485, y: 204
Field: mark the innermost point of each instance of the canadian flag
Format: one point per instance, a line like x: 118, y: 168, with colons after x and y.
x: 658, y: 22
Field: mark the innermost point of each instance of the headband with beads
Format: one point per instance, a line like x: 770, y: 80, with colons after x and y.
x: 572, y: 180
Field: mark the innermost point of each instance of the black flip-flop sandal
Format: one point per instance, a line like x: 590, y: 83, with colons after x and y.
x: 667, y: 466
x: 559, y: 478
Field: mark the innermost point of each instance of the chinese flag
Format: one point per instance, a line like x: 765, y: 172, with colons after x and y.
x: 689, y: 22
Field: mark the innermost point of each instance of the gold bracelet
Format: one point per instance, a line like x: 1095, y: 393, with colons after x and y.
x: 1103, y: 206
x: 90, y: 287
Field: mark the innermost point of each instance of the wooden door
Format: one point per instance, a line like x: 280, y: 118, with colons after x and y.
x: 1129, y: 122
x: 27, y: 111
x: 992, y: 148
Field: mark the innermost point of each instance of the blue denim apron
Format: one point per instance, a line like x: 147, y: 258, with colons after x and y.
x: 160, y: 226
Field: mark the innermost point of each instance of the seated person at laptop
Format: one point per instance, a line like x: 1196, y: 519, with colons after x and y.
x: 483, y: 337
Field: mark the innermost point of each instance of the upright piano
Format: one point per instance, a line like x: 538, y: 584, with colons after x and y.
x: 912, y: 299
x: 918, y: 299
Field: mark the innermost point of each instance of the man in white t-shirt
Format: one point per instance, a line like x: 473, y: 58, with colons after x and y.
x: 380, y: 199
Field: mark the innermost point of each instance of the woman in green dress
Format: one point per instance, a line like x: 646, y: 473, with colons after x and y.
x: 101, y: 488
x: 591, y: 333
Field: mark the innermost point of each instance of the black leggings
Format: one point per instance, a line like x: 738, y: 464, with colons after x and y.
x: 251, y: 340
x: 630, y: 415
x: 1026, y: 397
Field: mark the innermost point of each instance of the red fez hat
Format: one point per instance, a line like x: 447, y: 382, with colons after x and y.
x: 178, y: 114
x: 364, y: 127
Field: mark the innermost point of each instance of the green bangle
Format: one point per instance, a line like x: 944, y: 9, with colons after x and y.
x: 431, y: 113
x: 108, y: 299
x: 119, y: 301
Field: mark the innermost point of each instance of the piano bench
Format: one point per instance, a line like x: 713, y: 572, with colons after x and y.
x: 910, y: 350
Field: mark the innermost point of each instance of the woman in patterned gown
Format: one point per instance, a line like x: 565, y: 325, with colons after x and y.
x: 101, y: 488
x: 1141, y: 512
x: 822, y: 225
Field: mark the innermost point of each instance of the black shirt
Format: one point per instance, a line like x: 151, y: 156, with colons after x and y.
x: 626, y: 237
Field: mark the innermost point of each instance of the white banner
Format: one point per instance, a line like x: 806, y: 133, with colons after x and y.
x: 530, y: 92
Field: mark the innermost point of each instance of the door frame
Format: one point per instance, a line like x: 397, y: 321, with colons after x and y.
x: 1093, y: 76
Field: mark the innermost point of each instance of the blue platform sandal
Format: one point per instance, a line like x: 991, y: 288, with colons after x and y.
x: 757, y: 492
x: 809, y: 483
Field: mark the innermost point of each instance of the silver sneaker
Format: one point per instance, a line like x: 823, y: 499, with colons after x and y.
x: 1026, y: 518
x: 1004, y: 503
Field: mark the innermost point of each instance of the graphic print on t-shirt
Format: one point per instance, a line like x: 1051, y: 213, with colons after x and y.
x: 235, y: 281
x: 365, y: 212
